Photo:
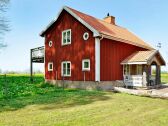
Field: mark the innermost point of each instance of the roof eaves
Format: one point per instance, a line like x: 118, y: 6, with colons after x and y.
x: 135, y: 62
x: 156, y: 51
x: 125, y: 41
x: 50, y: 24
x: 95, y: 32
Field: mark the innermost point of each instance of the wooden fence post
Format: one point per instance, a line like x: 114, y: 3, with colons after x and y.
x: 31, y: 67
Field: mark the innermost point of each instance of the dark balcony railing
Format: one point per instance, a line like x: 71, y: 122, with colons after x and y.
x: 36, y: 56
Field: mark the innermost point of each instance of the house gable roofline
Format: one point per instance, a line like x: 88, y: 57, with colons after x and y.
x: 95, y: 32
x: 125, y: 41
x: 101, y: 29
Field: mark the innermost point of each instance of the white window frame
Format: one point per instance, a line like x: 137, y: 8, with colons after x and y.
x: 86, y: 36
x: 83, y: 62
x: 65, y: 31
x: 50, y: 43
x: 50, y: 63
x: 65, y: 75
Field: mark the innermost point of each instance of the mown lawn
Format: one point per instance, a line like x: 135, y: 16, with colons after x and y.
x: 164, y: 78
x: 39, y: 104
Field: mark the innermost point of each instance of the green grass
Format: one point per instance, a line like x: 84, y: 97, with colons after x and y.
x: 164, y: 78
x: 41, y: 104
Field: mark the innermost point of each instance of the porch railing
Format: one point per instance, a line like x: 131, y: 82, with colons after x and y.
x: 133, y: 80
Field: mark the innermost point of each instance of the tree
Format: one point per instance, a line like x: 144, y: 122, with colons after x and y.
x: 4, y: 26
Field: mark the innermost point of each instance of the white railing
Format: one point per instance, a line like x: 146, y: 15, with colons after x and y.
x: 133, y: 80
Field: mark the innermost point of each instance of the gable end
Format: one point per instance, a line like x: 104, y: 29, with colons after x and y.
x: 95, y: 32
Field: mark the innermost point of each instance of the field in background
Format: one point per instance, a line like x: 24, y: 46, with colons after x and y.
x: 41, y: 104
x: 164, y: 78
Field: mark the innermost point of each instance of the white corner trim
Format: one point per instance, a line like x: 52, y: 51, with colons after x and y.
x: 97, y: 59
x: 95, y: 32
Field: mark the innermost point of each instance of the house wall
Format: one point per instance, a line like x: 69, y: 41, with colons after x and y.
x: 78, y: 49
x: 112, y: 53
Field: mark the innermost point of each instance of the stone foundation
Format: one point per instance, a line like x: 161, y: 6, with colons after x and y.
x: 88, y: 85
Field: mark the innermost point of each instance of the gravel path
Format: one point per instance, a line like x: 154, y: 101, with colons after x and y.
x: 161, y: 92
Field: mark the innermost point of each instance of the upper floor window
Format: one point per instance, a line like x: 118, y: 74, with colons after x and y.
x: 86, y: 65
x: 66, y: 68
x: 66, y: 37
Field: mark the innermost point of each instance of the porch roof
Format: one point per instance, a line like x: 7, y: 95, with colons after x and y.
x: 144, y: 57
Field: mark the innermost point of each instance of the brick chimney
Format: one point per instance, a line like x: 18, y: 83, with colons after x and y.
x: 110, y: 19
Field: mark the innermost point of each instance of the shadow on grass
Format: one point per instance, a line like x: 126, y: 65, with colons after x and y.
x: 43, y: 94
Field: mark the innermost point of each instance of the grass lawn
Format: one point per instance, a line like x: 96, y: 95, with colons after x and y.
x: 30, y: 104
x: 164, y: 78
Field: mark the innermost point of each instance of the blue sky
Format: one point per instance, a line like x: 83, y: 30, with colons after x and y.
x: 146, y: 18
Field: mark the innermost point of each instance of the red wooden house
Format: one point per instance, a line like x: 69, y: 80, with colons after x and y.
x: 83, y: 50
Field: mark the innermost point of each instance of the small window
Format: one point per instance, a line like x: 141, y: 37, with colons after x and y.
x: 66, y: 37
x: 86, y: 65
x: 86, y: 36
x: 66, y: 68
x: 50, y: 66
x: 50, y: 43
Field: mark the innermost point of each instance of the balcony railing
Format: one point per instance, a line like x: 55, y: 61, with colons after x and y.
x: 133, y: 80
x: 37, y: 54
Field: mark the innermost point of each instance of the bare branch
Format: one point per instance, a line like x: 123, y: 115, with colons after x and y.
x: 4, y: 23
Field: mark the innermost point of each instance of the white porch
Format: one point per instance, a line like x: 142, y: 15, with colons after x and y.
x: 137, y: 69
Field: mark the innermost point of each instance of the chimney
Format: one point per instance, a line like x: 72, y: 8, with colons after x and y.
x: 110, y: 19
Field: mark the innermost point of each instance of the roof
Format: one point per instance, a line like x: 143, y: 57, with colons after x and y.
x: 102, y: 28
x: 142, y: 57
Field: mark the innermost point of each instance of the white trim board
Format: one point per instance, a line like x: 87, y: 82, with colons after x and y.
x: 97, y: 59
x: 95, y: 32
x: 131, y: 63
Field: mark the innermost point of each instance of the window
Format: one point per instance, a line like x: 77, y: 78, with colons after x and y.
x: 50, y: 43
x: 50, y: 66
x: 126, y: 69
x: 66, y: 68
x: 86, y: 36
x: 139, y: 69
x: 86, y: 65
x: 66, y: 37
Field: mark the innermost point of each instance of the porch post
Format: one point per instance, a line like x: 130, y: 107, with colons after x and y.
x: 145, y: 76
x: 148, y: 72
x: 158, y: 81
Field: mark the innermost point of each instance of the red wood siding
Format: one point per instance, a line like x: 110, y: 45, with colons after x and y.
x: 75, y: 52
x: 112, y: 53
